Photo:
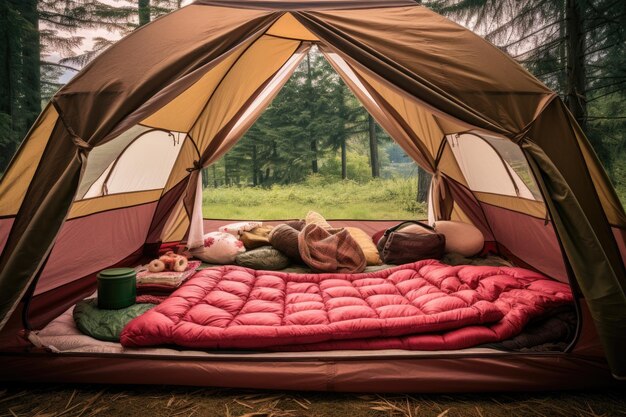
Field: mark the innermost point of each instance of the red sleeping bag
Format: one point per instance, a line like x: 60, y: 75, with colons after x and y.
x: 421, y: 306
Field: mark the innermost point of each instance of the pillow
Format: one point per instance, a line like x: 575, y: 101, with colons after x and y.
x: 313, y: 217
x: 105, y: 324
x: 461, y: 238
x: 236, y: 229
x: 219, y: 248
x: 264, y: 258
x: 285, y: 239
x: 257, y: 237
x: 415, y: 228
x: 367, y: 246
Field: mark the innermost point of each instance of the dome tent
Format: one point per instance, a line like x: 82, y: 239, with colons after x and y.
x: 84, y: 191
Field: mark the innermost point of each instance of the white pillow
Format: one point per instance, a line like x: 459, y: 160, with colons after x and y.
x: 219, y: 248
x: 236, y: 229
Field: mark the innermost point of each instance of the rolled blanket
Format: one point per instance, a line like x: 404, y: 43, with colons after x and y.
x: 285, y: 239
x: 296, y: 224
x: 330, y: 250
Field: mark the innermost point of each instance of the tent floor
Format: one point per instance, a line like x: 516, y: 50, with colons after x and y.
x: 72, y: 357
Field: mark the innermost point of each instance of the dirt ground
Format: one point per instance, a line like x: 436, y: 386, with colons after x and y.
x: 106, y: 400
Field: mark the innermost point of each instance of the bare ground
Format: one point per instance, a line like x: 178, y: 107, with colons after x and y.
x: 105, y: 400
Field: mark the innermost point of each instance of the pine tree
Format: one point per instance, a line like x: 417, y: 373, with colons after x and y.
x: 576, y: 47
x: 19, y: 76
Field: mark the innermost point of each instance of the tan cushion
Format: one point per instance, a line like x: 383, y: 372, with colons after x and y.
x: 372, y: 256
x: 462, y: 238
x: 257, y: 237
x: 313, y: 217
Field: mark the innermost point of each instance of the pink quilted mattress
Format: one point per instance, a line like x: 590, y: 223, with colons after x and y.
x: 421, y: 306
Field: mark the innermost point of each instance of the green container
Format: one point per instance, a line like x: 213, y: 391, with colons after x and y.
x: 117, y: 288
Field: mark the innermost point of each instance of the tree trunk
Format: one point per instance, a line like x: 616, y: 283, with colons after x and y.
x: 274, y: 160
x: 344, y: 159
x: 576, y: 77
x: 423, y: 183
x: 562, y: 48
x: 31, y: 65
x: 144, y: 12
x: 7, y: 144
x: 313, y: 141
x: 255, y: 168
x: 373, y: 147
x: 205, y: 177
x: 225, y: 172
x: 5, y: 59
x: 215, y: 184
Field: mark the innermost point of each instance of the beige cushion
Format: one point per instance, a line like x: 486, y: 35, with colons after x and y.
x: 257, y: 237
x: 313, y: 217
x: 372, y: 256
x: 415, y: 228
x: 461, y: 238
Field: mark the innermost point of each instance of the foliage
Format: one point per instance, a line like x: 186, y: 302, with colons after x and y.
x: 591, y: 79
x: 312, y: 119
x: 343, y: 199
x: 19, y: 89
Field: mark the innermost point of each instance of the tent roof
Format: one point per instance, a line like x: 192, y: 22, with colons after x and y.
x: 285, y: 5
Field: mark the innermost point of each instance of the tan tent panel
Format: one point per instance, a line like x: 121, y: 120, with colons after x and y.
x: 459, y: 215
x: 177, y: 225
x: 288, y: 27
x: 20, y: 172
x: 95, y: 205
x: 449, y: 166
x: 531, y: 207
x: 181, y: 113
x: 186, y: 156
x: 258, y: 64
x: 202, y: 75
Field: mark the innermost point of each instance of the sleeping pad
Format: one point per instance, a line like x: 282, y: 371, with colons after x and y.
x: 425, y: 305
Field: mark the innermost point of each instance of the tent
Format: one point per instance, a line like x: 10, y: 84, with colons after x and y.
x: 110, y: 170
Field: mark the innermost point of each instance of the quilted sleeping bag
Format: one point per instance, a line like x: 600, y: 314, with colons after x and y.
x: 421, y: 306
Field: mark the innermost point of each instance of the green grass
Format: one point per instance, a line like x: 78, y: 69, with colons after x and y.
x: 377, y: 199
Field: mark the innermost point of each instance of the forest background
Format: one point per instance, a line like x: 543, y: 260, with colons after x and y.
x: 315, y: 147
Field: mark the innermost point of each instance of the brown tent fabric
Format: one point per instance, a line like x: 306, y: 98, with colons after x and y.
x: 421, y: 76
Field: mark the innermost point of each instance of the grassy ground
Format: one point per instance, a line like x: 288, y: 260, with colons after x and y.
x: 93, y: 400
x: 379, y: 199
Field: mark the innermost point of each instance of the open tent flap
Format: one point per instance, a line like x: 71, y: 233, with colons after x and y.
x: 474, y: 162
x: 246, y: 119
